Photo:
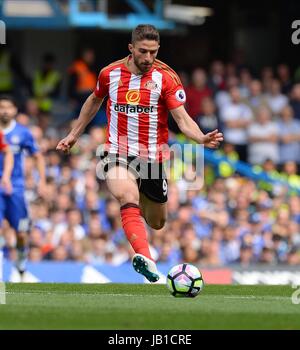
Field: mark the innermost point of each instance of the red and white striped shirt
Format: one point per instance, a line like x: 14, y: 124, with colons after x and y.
x: 137, y: 107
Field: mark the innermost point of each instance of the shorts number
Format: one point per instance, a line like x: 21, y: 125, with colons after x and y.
x: 165, y: 187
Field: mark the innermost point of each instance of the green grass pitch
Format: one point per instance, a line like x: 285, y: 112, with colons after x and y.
x: 127, y: 306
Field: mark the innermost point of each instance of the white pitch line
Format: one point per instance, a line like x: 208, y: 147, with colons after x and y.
x: 258, y: 297
x: 247, y: 297
x: 83, y: 294
x: 208, y: 296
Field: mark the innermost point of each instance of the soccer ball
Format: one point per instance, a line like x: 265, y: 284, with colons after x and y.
x: 185, y: 280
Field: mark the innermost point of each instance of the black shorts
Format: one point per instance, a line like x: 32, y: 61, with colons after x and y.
x: 150, y: 177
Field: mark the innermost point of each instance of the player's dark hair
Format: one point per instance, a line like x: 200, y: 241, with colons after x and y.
x: 144, y: 32
x: 9, y: 98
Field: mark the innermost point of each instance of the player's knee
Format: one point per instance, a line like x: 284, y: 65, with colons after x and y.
x: 128, y: 198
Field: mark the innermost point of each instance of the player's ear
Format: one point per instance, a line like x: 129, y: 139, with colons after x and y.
x: 130, y: 47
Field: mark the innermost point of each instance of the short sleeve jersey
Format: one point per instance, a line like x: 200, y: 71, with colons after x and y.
x: 137, y: 107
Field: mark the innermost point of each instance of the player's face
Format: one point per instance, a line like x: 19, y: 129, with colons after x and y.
x: 144, y: 53
x: 7, y: 111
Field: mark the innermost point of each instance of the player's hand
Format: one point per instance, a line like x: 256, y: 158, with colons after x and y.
x: 213, y: 139
x: 6, y: 184
x: 66, y: 144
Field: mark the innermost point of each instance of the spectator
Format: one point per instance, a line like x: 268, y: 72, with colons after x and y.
x: 99, y: 247
x: 216, y: 80
x: 245, y: 81
x: 291, y: 174
x: 32, y: 110
x: 224, y: 168
x: 59, y: 254
x: 263, y: 136
x: 267, y: 76
x: 35, y: 254
x: 236, y: 117
x: 256, y: 98
x: 190, y: 255
x: 246, y: 256
x: 289, y: 136
x: 77, y: 251
x: 284, y: 76
x: 293, y: 257
x: 230, y: 70
x: 295, y: 100
x: 276, y: 100
x: 196, y: 92
x: 82, y: 78
x: 222, y: 97
x: 72, y: 223
x: 46, y: 84
x: 208, y: 120
x: 12, y: 76
x: 210, y: 253
x: 230, y: 245
x: 267, y: 256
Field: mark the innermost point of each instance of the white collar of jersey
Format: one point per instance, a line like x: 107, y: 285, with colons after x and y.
x: 9, y: 128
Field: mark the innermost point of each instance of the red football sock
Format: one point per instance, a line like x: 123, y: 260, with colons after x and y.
x: 134, y: 229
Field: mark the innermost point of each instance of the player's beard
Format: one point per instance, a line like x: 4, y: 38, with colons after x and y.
x: 142, y: 67
x: 5, y: 119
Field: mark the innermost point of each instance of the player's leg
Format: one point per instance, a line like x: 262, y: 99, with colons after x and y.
x: 17, y: 216
x: 154, y: 213
x: 154, y: 195
x: 153, y: 201
x: 123, y: 186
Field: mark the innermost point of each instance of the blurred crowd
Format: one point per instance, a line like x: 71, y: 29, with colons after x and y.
x: 230, y: 220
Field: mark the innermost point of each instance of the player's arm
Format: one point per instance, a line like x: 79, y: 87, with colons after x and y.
x: 190, y: 129
x: 7, y: 168
x: 87, y: 113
